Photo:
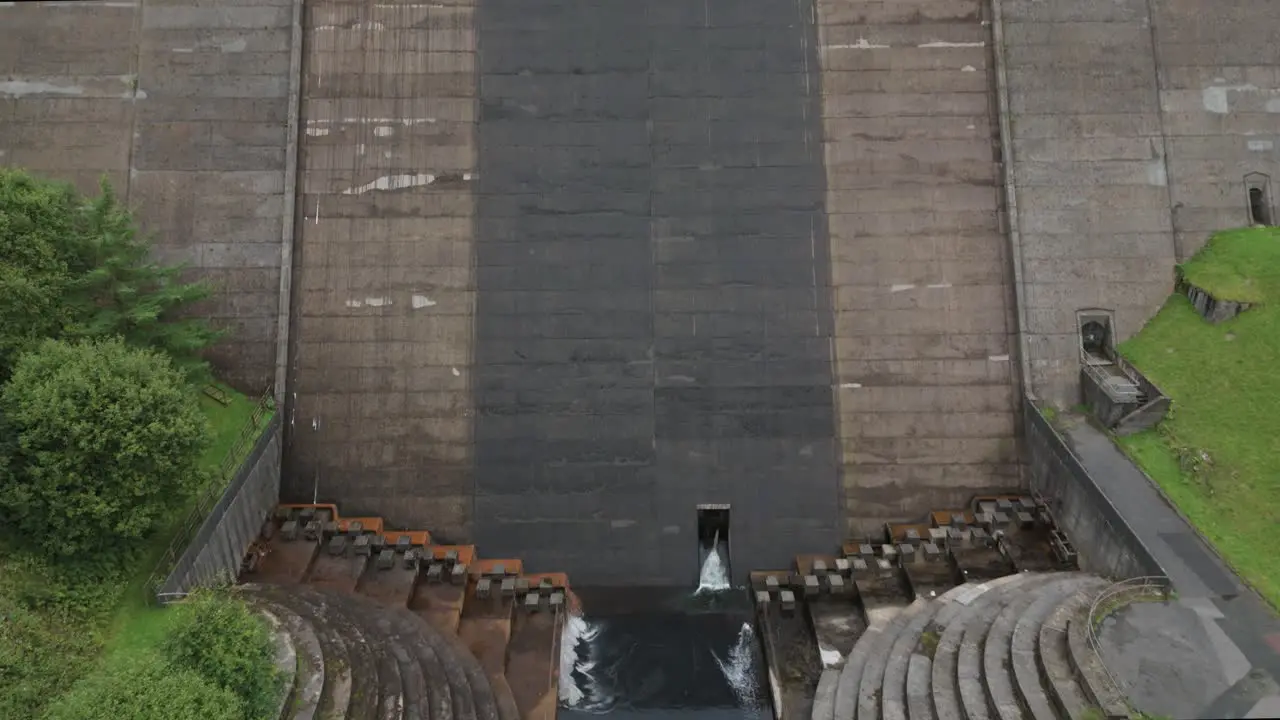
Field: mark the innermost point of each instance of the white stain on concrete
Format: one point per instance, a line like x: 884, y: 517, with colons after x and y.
x: 945, y: 44
x: 406, y: 122
x: 392, y: 182
x: 1273, y: 106
x: 355, y: 304
x: 901, y: 288
x: 939, y: 286
x: 998, y: 358
x: 1261, y: 145
x: 377, y: 301
x: 862, y: 44
x: 830, y: 657
x: 383, y: 130
x: 24, y: 88
x: 317, y: 132
x: 850, y: 386
x: 234, y: 46
x: 968, y: 68
x: 1216, y: 100
x: 422, y: 301
x: 1157, y: 175
x: 183, y: 50
x: 357, y: 26
x: 456, y: 372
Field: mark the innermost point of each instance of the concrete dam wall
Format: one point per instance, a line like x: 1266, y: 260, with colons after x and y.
x: 559, y: 272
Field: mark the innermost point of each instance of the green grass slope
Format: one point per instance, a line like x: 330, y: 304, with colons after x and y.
x: 1217, y: 455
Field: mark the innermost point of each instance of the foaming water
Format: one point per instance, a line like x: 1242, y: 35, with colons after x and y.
x: 661, y: 654
x: 714, y: 576
x: 740, y: 669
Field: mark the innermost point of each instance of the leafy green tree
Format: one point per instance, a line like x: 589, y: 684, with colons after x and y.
x: 78, y: 268
x: 144, y: 687
x: 100, y: 438
x: 219, y: 637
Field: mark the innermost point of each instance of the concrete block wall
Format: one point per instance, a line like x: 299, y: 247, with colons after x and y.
x: 923, y: 304
x: 1089, y: 169
x: 383, y: 291
x: 1220, y: 102
x: 182, y: 104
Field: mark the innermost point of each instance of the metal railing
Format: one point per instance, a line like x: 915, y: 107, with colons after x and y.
x: 212, y: 491
x: 1103, y: 605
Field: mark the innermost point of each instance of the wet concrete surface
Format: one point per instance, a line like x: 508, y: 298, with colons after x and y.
x: 652, y: 320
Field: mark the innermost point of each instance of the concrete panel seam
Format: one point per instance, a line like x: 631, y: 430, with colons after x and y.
x: 290, y: 197
x: 1164, y: 134
x: 1010, y: 193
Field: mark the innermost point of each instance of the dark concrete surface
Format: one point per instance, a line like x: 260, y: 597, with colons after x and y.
x: 1243, y: 632
x: 652, y: 322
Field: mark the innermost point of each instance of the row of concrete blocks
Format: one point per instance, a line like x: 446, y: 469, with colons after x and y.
x: 531, y: 598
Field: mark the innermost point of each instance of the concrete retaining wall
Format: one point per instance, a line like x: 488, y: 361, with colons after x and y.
x: 1107, y: 545
x: 234, y: 522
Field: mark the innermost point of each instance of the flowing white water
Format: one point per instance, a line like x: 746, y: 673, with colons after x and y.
x: 714, y: 576
x: 577, y: 687
x: 739, y: 668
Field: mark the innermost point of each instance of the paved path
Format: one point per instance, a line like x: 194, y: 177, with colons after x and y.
x: 1214, y: 607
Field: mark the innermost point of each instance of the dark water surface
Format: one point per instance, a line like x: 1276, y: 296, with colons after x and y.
x: 667, y: 653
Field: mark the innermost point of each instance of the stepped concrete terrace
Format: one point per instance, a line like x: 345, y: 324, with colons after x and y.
x: 375, y: 623
x: 924, y: 622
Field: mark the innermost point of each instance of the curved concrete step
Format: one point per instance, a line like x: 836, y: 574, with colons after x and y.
x: 1098, y: 687
x: 1054, y: 654
x: 969, y: 670
x: 997, y: 672
x: 1022, y: 644
x: 850, y: 681
x: 286, y: 658
x: 824, y: 697
x: 308, y: 683
x: 951, y: 623
x: 356, y: 661
x: 870, y: 688
x: 919, y: 695
x: 893, y: 693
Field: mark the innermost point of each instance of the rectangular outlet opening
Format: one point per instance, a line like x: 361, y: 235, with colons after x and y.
x: 714, y: 574
x: 713, y: 524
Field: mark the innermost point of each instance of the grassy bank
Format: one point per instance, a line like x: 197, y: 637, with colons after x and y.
x: 76, y: 614
x: 1218, y: 454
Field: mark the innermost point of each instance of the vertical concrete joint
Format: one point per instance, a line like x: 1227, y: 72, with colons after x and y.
x: 290, y: 197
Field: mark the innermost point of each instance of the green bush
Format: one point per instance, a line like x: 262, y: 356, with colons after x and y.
x: 219, y: 637
x: 76, y: 268
x: 40, y: 656
x: 99, y: 439
x: 145, y: 688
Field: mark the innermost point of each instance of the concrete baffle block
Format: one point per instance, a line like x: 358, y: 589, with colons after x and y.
x: 884, y: 565
x: 1025, y: 520
x: 1004, y: 505
x: 788, y: 600
x: 484, y: 588
x: 355, y: 527
x: 498, y: 569
x: 1000, y: 521
x: 329, y: 527
x: 289, y: 530
x: 522, y: 585
x: 403, y: 543
x: 811, y: 585
x: 819, y: 566
x: 458, y: 575
x: 842, y: 565
x: 912, y: 536
x: 981, y: 538
x: 931, y: 552
x: 986, y: 507
x: 938, y: 536
x: 361, y: 544
x: 311, y: 530
x: 337, y: 545
x: 957, y: 520
x: 866, y: 549
x: 532, y: 602
x: 556, y: 600
x: 836, y: 584
x: 412, y: 557
x: 508, y: 587
x: 451, y: 556
x: 386, y: 559
x: 857, y: 565
x: 908, y: 552
x: 306, y: 515
x: 771, y: 582
x: 435, y: 573
x: 1026, y: 504
x: 762, y: 597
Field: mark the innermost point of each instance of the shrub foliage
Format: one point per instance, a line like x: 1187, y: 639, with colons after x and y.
x: 144, y: 687
x: 99, y: 438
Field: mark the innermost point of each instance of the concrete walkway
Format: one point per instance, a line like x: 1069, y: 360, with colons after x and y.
x: 1214, y: 611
